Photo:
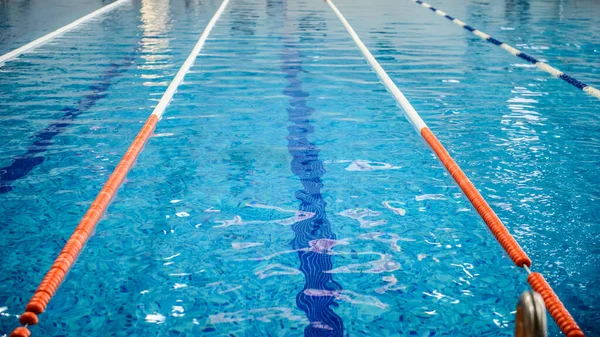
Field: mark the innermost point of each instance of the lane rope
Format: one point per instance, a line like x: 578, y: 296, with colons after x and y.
x: 510, y: 245
x: 541, y: 65
x: 75, y: 243
x: 38, y: 42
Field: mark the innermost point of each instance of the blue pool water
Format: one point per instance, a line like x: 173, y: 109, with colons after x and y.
x: 283, y: 192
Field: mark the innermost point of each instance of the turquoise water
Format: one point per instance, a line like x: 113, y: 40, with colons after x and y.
x: 283, y: 193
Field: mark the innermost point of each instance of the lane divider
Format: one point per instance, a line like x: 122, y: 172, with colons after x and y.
x: 84, y: 229
x: 558, y: 311
x: 510, y: 245
x: 38, y: 42
x: 494, y: 223
x: 541, y: 65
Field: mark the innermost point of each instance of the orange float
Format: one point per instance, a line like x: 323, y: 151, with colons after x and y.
x: 508, y: 242
x: 72, y: 248
x: 557, y: 310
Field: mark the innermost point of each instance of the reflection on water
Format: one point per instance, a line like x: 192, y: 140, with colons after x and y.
x: 156, y: 25
x: 262, y: 314
x: 360, y: 214
x: 517, y: 11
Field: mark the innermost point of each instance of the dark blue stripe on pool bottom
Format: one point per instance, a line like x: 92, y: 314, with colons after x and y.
x: 527, y: 58
x: 25, y: 163
x: 494, y: 41
x: 573, y: 81
x: 309, y: 169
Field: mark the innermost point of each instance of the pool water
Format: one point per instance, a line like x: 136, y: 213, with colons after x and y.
x: 284, y: 193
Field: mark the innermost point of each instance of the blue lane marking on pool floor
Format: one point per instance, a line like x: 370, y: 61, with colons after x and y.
x: 309, y: 169
x: 25, y: 163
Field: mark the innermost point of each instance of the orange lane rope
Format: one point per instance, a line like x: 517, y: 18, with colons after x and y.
x: 86, y: 226
x: 510, y: 245
x: 502, y: 234
x: 557, y: 310
x: 559, y: 313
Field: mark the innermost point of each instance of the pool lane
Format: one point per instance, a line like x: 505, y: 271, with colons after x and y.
x: 44, y: 93
x: 86, y: 227
x: 25, y: 101
x: 24, y: 163
x: 552, y: 302
x: 76, y: 74
x: 314, y: 237
x: 206, y: 243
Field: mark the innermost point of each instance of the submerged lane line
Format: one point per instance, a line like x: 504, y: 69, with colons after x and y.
x: 543, y: 66
x: 24, y: 163
x: 38, y: 42
x: 555, y: 307
x: 75, y: 243
x: 308, y: 167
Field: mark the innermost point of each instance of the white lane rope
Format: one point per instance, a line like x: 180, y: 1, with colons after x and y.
x: 38, y: 42
x: 411, y: 113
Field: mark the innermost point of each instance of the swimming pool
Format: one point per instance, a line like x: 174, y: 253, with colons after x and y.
x: 280, y: 135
